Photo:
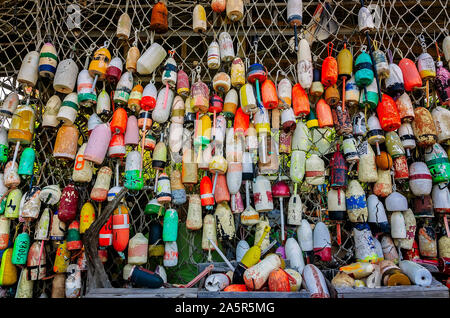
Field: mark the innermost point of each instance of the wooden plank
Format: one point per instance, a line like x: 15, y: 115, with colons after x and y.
x: 252, y: 295
x: 436, y: 290
x: 142, y: 293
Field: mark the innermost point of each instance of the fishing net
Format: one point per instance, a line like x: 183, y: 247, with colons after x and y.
x: 405, y: 27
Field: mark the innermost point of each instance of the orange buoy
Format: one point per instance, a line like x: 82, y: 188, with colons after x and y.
x: 279, y: 281
x: 329, y: 68
x: 119, y: 121
x: 206, y: 195
x: 269, y: 94
x: 120, y: 228
x: 324, y: 116
x: 236, y: 288
x: 158, y: 20
x: 300, y: 101
x: 221, y: 192
x: 388, y: 114
x: 411, y: 76
x: 241, y: 122
x: 384, y: 161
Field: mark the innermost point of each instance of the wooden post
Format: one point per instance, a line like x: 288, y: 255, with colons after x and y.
x: 97, y: 277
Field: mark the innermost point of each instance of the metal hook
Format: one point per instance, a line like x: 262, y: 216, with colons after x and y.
x: 106, y: 44
x: 135, y: 43
x: 198, y: 69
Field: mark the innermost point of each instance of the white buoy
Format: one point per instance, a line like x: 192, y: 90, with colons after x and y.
x: 418, y: 274
x: 294, y: 255
x: 51, y: 111
x: 420, y: 181
x: 241, y: 248
x: 305, y: 236
x: 28, y: 73
x: 398, y: 226
x: 322, y: 242
x: 65, y: 76
x: 304, y: 65
x: 261, y: 192
x: 151, y: 59
x: 69, y: 109
x: 226, y: 47
x: 295, y: 210
x: 213, y: 55
x: 170, y: 254
x: 315, y: 282
x: 163, y: 106
x: 441, y: 198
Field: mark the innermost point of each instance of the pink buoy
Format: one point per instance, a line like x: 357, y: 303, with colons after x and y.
x: 98, y: 143
x: 132, y: 132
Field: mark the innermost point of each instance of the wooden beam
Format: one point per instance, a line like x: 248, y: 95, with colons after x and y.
x: 96, y: 270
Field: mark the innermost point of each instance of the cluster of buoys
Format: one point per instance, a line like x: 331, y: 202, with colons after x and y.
x: 388, y: 173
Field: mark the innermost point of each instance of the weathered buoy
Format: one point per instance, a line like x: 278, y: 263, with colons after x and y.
x: 438, y: 163
x: 405, y: 108
x: 256, y: 276
x: 420, y: 181
x: 315, y: 282
x: 225, y: 221
x: 28, y: 72
x: 226, y: 47
x: 62, y: 258
x: 424, y: 127
x: 66, y: 143
x: 151, y: 59
x: 217, y: 282
x: 209, y: 232
x: 363, y: 70
x: 68, y: 111
x: 58, y: 228
x: 68, y: 204
x: 329, y: 68
x: 65, y: 76
x: 8, y: 271
x: 406, y: 135
x: 394, y: 82
x: 441, y: 117
x: 300, y: 102
x: 48, y: 60
x: 427, y: 241
x: 364, y: 244
x: 377, y: 218
x: 418, y: 274
x: 262, y: 194
x: 199, y: 19
x: 304, y: 64
x: 367, y: 168
x: 356, y: 202
x: 441, y: 198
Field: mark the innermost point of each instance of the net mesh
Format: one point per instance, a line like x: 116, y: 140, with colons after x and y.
x: 73, y: 26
